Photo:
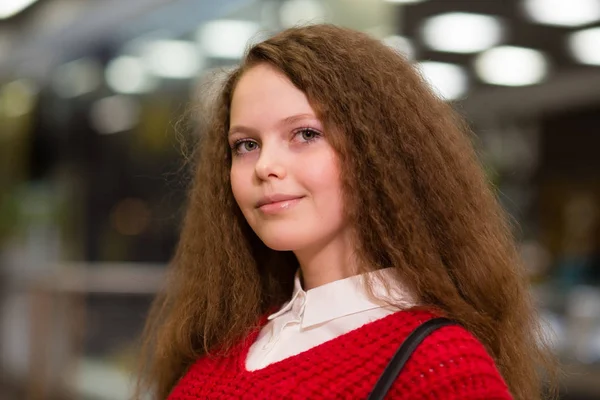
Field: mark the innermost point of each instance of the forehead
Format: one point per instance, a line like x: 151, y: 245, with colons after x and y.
x: 263, y: 92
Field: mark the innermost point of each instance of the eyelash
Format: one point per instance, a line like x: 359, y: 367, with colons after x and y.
x: 235, y: 147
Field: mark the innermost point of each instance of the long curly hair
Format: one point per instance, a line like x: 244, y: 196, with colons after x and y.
x: 415, y: 195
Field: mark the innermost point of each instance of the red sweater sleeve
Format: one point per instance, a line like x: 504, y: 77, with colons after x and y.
x: 450, y: 364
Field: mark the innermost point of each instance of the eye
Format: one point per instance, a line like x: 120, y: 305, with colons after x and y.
x: 249, y: 145
x: 244, y: 146
x: 308, y: 134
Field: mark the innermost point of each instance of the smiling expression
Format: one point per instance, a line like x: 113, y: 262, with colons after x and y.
x: 284, y: 172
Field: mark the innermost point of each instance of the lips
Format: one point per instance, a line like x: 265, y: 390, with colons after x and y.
x: 276, y: 198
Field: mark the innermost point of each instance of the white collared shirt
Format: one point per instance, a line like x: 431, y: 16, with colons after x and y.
x: 321, y: 314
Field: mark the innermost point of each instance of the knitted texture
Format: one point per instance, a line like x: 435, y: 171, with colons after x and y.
x: 449, y: 364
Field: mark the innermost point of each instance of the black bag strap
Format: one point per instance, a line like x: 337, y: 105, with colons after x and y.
x: 391, y: 372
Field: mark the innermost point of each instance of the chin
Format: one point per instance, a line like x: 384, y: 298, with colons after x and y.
x: 283, y: 241
x: 280, y: 243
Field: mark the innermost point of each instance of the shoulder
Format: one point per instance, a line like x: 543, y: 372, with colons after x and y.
x: 450, y: 342
x: 455, y: 345
x: 451, y: 363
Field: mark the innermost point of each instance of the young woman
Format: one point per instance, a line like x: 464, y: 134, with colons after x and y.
x: 337, y: 205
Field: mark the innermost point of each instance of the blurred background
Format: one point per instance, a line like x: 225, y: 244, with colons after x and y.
x: 93, y: 102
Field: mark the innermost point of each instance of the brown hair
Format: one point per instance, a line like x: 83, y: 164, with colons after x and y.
x: 415, y: 195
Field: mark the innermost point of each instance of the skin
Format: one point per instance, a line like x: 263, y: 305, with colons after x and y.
x: 279, y: 148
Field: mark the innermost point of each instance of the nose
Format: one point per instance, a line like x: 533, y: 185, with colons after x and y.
x: 270, y: 163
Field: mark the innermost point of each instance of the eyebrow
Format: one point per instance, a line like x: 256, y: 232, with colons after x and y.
x: 286, y: 121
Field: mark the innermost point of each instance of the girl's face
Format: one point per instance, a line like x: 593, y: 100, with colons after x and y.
x: 284, y: 173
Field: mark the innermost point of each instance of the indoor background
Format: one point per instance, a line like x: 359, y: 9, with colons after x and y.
x: 99, y: 97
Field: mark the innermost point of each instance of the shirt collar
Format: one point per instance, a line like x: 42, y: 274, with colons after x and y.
x: 298, y: 292
x: 344, y: 297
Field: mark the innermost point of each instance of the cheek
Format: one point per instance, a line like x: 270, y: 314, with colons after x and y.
x: 324, y: 170
x: 323, y: 180
x: 239, y: 183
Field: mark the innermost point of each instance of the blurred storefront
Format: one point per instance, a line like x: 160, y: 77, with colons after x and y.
x: 101, y: 101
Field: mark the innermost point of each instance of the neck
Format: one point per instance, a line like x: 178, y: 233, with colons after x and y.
x: 327, y: 263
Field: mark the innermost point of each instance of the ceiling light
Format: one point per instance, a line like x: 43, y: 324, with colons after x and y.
x: 294, y: 12
x: 462, y: 32
x: 449, y: 81
x: 9, y: 8
x: 400, y: 44
x: 77, y: 78
x: 226, y: 38
x: 405, y: 1
x: 18, y: 97
x: 585, y: 46
x: 172, y: 58
x: 128, y: 75
x: 563, y: 12
x: 114, y: 114
x: 511, y: 66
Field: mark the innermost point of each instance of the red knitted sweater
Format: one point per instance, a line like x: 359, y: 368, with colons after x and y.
x: 449, y: 364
